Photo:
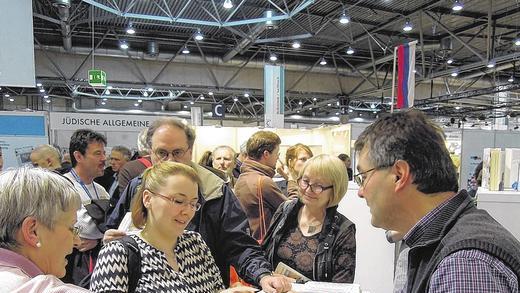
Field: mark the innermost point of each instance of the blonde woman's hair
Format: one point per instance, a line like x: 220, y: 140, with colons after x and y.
x: 153, y: 179
x: 331, y: 168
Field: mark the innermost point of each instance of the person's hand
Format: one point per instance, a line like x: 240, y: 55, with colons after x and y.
x: 113, y: 234
x: 239, y: 289
x: 86, y: 244
x: 282, y: 170
x: 275, y: 284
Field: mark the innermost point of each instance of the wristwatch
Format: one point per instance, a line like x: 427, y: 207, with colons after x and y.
x: 265, y: 274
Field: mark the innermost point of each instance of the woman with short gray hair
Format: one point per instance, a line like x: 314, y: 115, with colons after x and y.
x: 37, y: 230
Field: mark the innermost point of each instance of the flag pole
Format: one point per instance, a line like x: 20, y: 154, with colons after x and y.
x: 393, y: 83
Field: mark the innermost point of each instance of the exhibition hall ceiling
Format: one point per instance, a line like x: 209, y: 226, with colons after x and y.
x: 465, y: 62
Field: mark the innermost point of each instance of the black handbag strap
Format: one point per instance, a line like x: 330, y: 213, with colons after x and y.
x: 134, y: 262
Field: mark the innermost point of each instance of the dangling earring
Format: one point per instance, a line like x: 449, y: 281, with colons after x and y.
x: 38, y: 244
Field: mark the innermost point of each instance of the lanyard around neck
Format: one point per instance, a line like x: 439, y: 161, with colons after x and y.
x: 76, y: 177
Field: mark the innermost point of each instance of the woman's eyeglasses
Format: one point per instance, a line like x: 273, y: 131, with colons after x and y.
x: 315, y: 188
x: 181, y: 203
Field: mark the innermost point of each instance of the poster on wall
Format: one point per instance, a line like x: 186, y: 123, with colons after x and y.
x: 99, y: 122
x: 19, y: 134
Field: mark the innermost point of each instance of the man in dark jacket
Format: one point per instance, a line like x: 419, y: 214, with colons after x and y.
x: 409, y: 182
x: 221, y: 221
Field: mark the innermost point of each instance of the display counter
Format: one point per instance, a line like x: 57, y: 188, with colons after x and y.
x: 504, y: 206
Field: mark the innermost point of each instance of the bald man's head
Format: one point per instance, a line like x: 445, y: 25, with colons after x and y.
x: 46, y: 156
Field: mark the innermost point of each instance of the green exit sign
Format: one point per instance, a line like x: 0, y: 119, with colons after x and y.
x: 97, y: 77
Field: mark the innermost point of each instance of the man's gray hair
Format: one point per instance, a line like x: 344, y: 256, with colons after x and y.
x: 174, y: 122
x: 47, y: 149
x: 142, y: 146
x: 32, y: 192
x: 225, y: 147
x: 123, y: 150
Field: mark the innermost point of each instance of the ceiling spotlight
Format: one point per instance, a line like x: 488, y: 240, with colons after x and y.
x: 185, y: 50
x: 337, y: 113
x: 273, y: 57
x: 454, y: 74
x: 210, y: 93
x: 310, y: 108
x: 150, y: 89
x: 45, y: 97
x: 314, y: 99
x: 139, y: 101
x: 300, y: 103
x: 297, y: 111
x: 7, y: 95
x: 109, y: 87
x: 107, y: 92
x: 198, y: 35
x: 350, y: 110
x: 48, y: 101
x: 235, y: 99
x: 185, y: 106
x: 246, y: 95
x: 39, y: 84
x: 105, y: 99
x: 192, y: 102
x: 145, y: 94
x: 511, y: 78
x: 344, y: 19
x: 11, y: 100
x: 517, y: 41
x: 449, y: 61
x: 269, y: 23
x: 350, y: 50
x: 323, y: 61
x: 329, y: 104
x: 407, y: 25
x: 103, y: 103
x: 124, y: 45
x: 130, y: 29
x: 457, y: 108
x: 296, y: 45
x: 457, y: 5
x: 228, y: 4
x: 372, y: 106
x: 136, y: 105
x: 491, y: 64
x: 42, y: 90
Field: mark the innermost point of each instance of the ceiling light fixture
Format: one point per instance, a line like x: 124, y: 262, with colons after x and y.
x: 145, y: 94
x: 407, y: 25
x: 201, y: 97
x: 228, y: 4
x: 105, y: 99
x: 124, y: 45
x: 454, y: 74
x: 130, y: 29
x: 457, y: 6
x: 511, y: 78
x: 269, y: 23
x: 300, y: 103
x: 103, y: 103
x: 246, y: 95
x: 107, y: 92
x: 185, y: 50
x: 199, y: 36
x: 39, y: 84
x: 235, y: 99
x: 139, y: 101
x: 192, y: 102
x: 350, y: 50
x: 273, y: 57
x: 343, y: 18
x: 491, y: 64
x: 11, y: 100
x: 449, y: 61
x: 457, y: 108
x: 45, y: 97
x: 323, y: 61
x: 517, y: 40
x: 150, y: 89
x: 7, y: 95
x: 210, y: 93
x: 296, y: 45
x: 42, y: 90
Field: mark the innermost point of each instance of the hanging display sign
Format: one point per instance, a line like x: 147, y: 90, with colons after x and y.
x: 274, y: 96
x: 97, y: 77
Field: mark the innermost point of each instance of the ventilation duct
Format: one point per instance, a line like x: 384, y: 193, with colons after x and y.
x: 446, y: 45
x: 153, y: 48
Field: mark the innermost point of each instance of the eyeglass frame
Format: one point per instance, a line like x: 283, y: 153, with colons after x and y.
x: 175, y: 202
x: 75, y: 231
x: 176, y: 153
x: 358, y: 178
x: 322, y: 188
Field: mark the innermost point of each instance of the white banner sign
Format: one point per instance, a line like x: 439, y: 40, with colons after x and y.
x: 274, y: 96
x: 99, y: 122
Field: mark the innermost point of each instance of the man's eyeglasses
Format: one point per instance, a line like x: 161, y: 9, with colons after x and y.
x: 164, y: 154
x: 361, y: 180
x: 315, y: 188
x: 181, y: 203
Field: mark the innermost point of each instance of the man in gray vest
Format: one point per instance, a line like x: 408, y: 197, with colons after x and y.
x: 410, y: 185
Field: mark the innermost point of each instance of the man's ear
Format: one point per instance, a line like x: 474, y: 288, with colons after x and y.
x: 29, y: 231
x: 402, y: 173
x: 78, y: 156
